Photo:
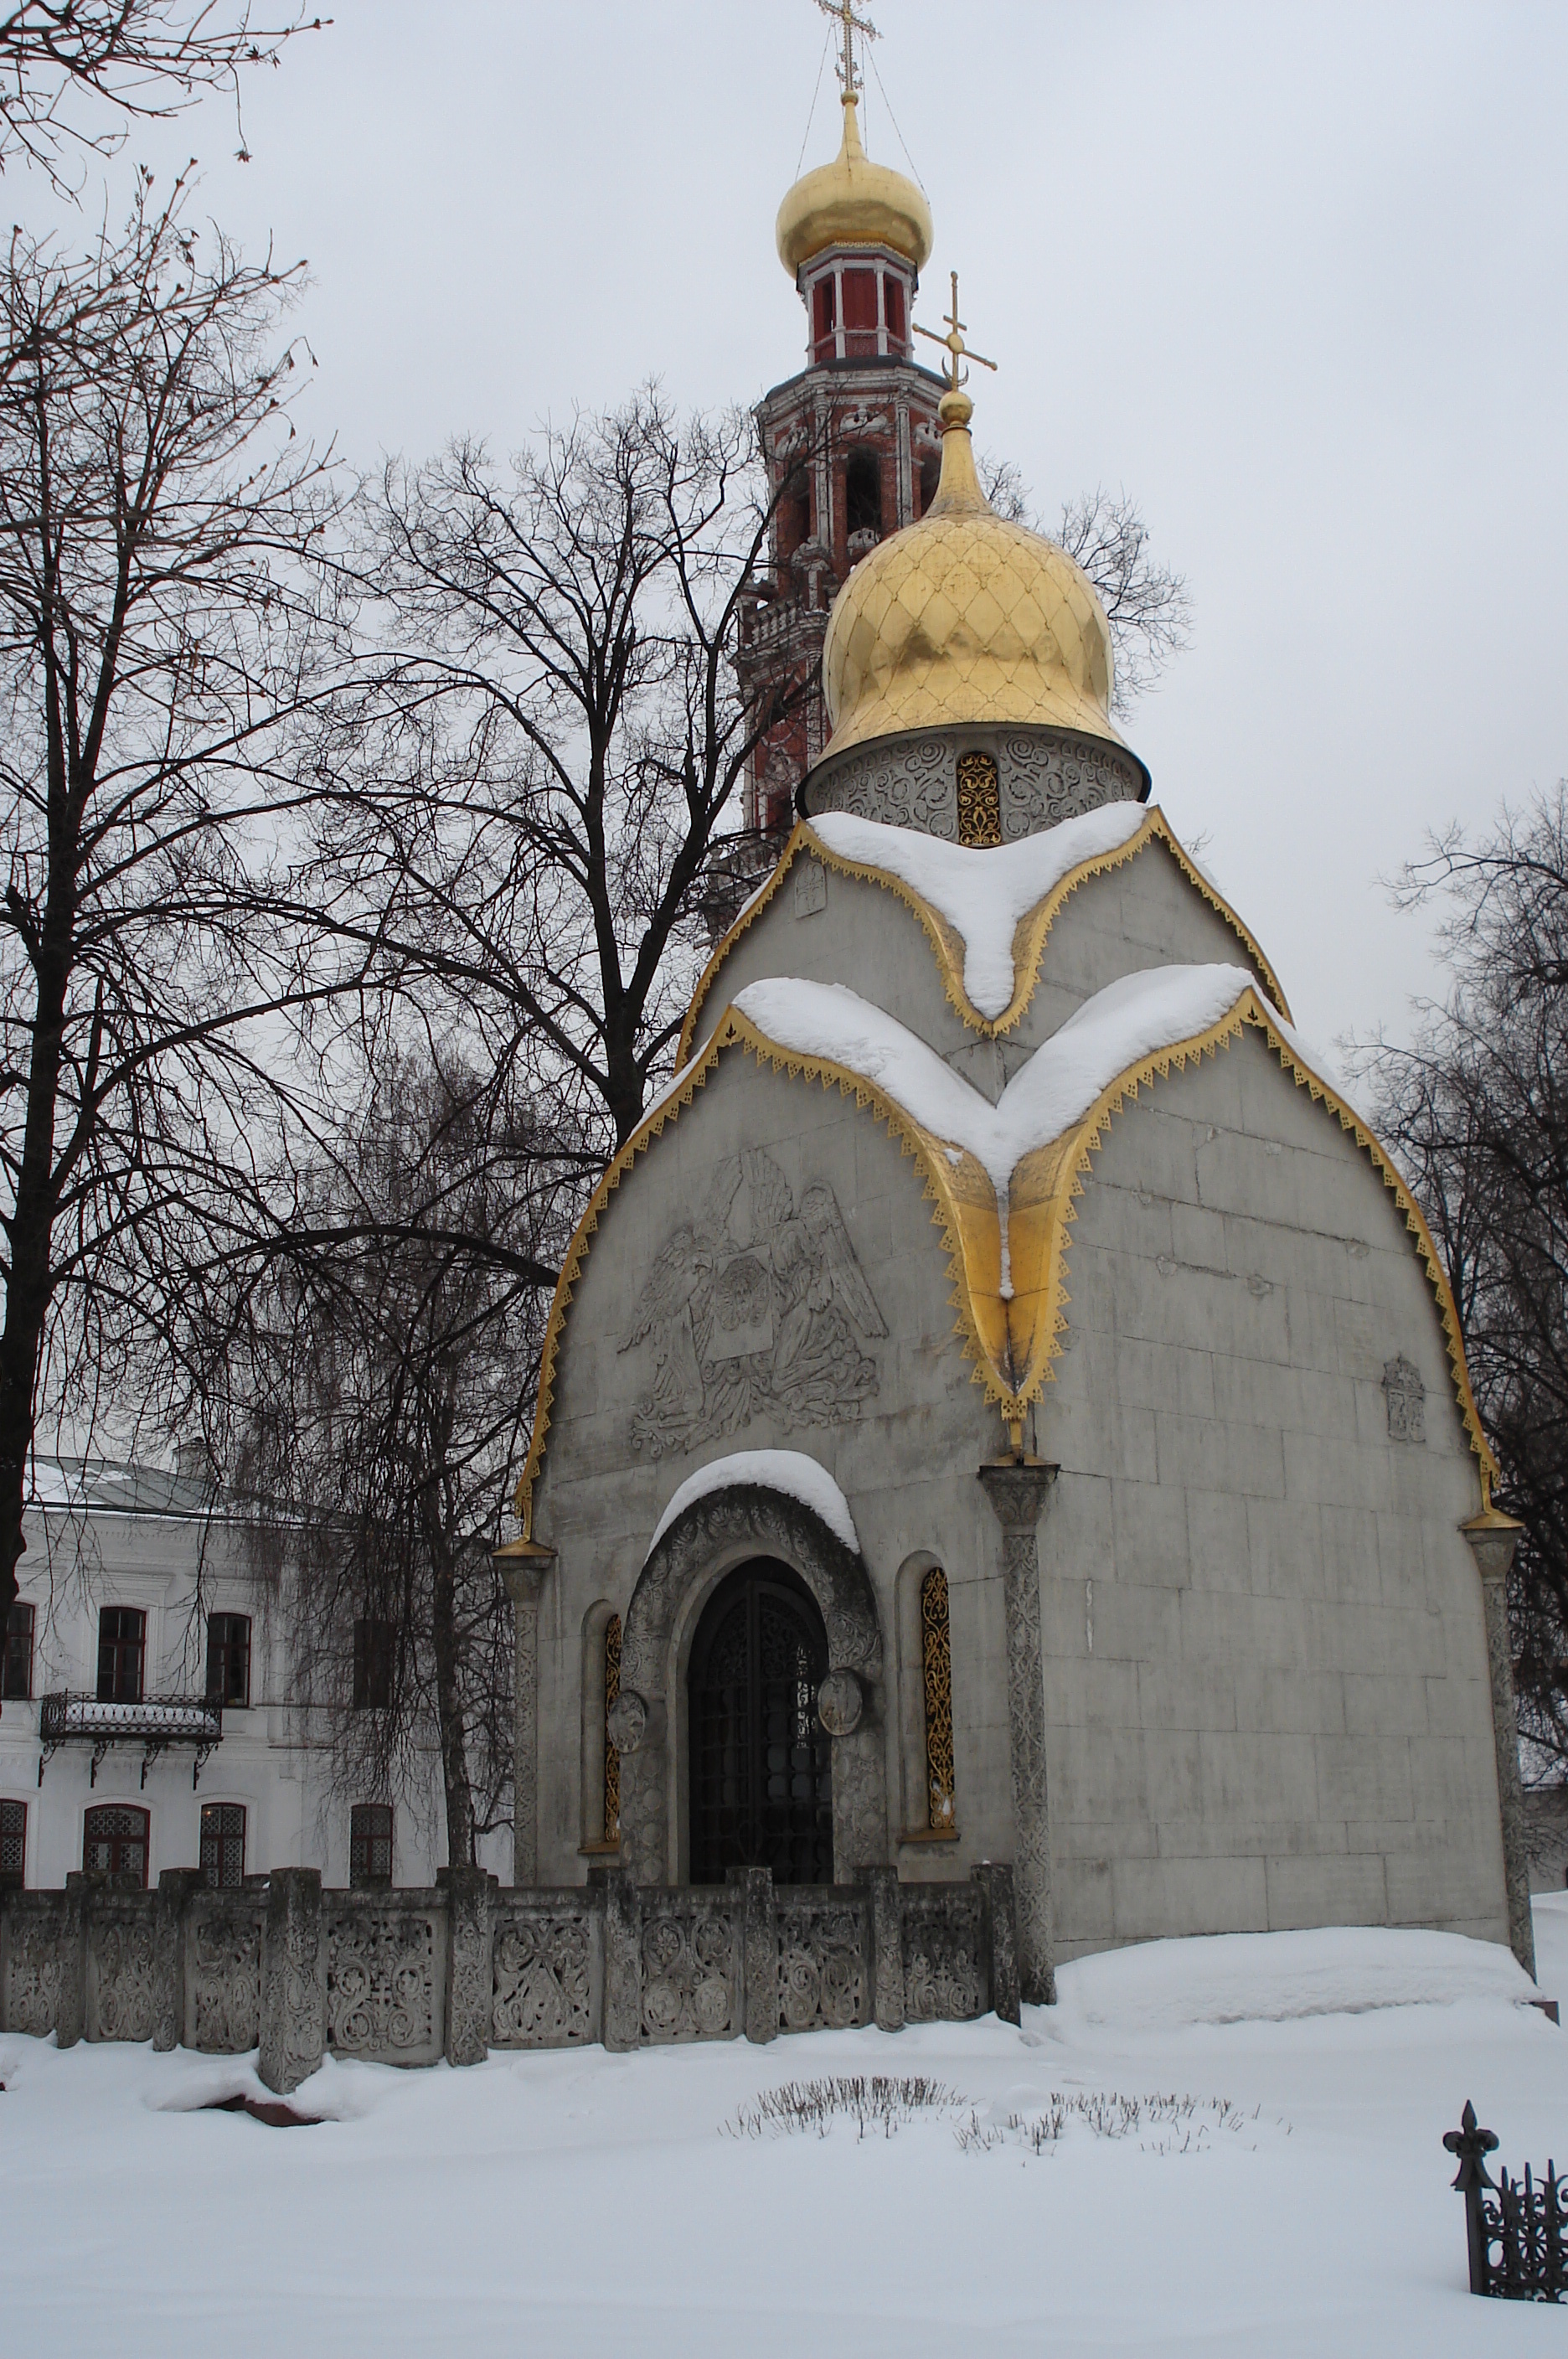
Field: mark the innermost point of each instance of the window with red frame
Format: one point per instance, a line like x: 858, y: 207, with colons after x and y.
x: 18, y: 1674
x: 114, y: 1841
x: 893, y: 301
x: 13, y: 1844
x: 374, y: 1660
x: 223, y: 1843
x: 228, y: 1658
x: 122, y: 1654
x: 370, y: 1844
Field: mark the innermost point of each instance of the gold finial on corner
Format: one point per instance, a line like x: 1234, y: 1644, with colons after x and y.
x: 852, y: 24
x: 957, y: 350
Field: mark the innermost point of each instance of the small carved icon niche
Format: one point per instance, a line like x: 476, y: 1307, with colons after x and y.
x: 1406, y: 1397
x: 979, y: 800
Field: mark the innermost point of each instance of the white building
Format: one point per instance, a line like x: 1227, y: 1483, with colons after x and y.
x: 147, y: 1718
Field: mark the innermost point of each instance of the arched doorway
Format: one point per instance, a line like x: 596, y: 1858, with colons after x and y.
x: 761, y: 1785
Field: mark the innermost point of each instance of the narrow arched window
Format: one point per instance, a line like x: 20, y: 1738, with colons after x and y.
x: 936, y: 1668
x: 611, y: 1758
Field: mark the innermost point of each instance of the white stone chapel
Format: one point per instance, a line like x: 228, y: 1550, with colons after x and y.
x: 1003, y: 1404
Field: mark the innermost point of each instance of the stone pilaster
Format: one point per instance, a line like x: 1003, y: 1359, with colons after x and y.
x: 293, y: 1979
x: 1001, y: 1937
x: 1017, y: 1489
x: 524, y: 1565
x: 887, y: 1948
x: 1493, y: 1538
x: 470, y: 1984
x: 623, y: 1961
x: 175, y: 1886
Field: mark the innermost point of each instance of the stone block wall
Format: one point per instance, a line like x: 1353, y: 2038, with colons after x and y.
x: 408, y: 1977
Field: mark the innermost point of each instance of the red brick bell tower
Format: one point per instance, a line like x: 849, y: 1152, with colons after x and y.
x: 851, y: 444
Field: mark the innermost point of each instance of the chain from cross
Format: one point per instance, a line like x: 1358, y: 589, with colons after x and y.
x: 845, y: 11
x: 957, y: 350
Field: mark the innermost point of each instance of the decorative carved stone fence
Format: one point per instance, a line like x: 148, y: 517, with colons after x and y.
x: 407, y: 1977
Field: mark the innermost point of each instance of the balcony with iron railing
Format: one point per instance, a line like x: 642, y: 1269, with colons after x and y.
x: 154, y: 1723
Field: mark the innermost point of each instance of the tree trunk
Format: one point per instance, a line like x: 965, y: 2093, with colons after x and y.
x: 31, y: 1240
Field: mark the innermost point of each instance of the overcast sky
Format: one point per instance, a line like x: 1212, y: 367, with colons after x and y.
x: 1291, y: 275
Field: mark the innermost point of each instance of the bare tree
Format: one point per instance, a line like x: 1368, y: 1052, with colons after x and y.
x: 527, y: 798
x: 366, y: 1381
x: 1147, y: 605
x: 1477, y: 1110
x: 157, y: 634
x: 142, y: 59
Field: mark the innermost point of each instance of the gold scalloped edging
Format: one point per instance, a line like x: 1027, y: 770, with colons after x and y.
x: 1029, y: 937
x: 956, y: 1207
x: 998, y: 1335
x: 1066, y: 1163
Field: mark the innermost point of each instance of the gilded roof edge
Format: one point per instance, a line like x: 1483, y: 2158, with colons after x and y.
x: 1072, y: 1167
x: 1029, y: 939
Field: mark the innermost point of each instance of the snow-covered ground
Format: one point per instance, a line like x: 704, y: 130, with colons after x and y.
x: 1293, y: 2198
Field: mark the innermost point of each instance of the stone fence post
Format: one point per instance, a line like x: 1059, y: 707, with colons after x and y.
x: 293, y: 1979
x: 175, y: 1886
x: 1493, y: 1538
x: 1017, y: 1489
x: 887, y: 1947
x: 623, y: 1961
x: 470, y: 1984
x: 760, y: 1950
x: 72, y: 2017
x: 1001, y: 1937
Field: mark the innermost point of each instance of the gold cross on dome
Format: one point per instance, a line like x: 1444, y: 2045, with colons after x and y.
x: 845, y: 10
x: 957, y: 350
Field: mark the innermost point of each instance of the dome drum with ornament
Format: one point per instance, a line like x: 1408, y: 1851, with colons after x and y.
x: 1003, y: 1408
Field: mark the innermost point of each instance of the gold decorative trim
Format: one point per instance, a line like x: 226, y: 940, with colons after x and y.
x: 1013, y: 1342
x: 1029, y: 939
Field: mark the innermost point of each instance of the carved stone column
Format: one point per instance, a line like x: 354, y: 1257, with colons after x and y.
x: 1017, y: 1489
x: 1493, y: 1538
x: 524, y: 1565
x: 469, y: 1973
x: 70, y: 2022
x: 293, y: 1979
x: 623, y: 1961
x: 175, y: 1886
x: 1001, y: 1937
x: 760, y: 1950
x: 887, y: 1947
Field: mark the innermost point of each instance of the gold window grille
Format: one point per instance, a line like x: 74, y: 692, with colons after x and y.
x: 936, y: 1664
x: 979, y: 801
x: 611, y: 1758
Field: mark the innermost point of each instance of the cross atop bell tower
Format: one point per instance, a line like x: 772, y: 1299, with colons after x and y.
x: 849, y: 81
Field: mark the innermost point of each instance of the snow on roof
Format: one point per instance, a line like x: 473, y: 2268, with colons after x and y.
x: 116, y: 1486
x: 983, y: 895
x: 1129, y: 1020
x: 789, y: 1472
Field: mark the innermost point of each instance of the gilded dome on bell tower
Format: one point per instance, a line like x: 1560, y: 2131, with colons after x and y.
x: 852, y: 202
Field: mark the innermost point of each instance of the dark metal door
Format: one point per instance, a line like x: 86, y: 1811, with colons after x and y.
x: 761, y: 1760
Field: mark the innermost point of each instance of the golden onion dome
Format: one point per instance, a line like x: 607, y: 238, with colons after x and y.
x: 966, y: 617
x: 852, y: 202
